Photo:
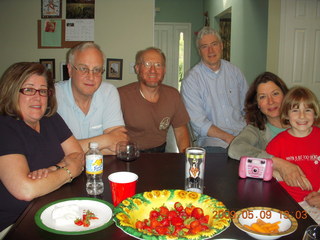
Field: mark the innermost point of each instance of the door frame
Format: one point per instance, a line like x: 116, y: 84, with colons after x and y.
x: 172, y: 58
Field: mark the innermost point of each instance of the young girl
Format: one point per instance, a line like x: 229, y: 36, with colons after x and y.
x: 300, y: 144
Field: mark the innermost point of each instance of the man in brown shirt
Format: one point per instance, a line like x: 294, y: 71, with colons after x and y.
x: 150, y: 107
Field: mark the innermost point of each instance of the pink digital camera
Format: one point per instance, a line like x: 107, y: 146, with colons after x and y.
x: 255, y: 168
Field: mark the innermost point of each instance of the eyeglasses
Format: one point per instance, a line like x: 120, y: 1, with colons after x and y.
x: 33, y: 91
x: 157, y: 65
x: 85, y: 71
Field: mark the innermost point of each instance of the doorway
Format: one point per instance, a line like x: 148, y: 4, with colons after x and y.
x: 225, y: 32
x: 299, y: 51
x: 174, y: 39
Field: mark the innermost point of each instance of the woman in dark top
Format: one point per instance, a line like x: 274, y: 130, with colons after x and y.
x: 38, y: 153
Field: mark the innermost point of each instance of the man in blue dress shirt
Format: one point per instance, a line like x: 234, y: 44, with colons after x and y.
x: 214, y: 92
x: 90, y: 107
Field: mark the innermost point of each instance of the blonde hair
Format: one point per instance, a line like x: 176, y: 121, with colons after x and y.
x: 293, y: 98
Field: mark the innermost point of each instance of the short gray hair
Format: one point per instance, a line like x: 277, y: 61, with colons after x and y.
x: 81, y: 47
x: 207, y: 31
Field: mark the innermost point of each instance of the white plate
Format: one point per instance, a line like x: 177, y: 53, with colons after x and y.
x: 247, y: 216
x: 101, y: 208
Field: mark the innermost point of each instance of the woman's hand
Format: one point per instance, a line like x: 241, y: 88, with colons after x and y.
x: 43, y: 173
x: 313, y: 199
x: 291, y: 174
x: 74, y: 162
x: 40, y: 173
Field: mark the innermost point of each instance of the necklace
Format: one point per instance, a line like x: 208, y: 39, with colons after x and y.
x: 142, y: 94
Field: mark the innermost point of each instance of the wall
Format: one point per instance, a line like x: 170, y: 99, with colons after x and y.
x: 273, y: 36
x: 185, y: 11
x: 122, y: 27
x: 249, y: 32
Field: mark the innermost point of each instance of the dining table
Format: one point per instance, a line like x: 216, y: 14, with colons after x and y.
x: 158, y: 171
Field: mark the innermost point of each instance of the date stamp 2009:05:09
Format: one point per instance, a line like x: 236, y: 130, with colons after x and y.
x: 263, y: 214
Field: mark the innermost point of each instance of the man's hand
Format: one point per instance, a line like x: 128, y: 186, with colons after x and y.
x: 216, y: 132
x: 114, y: 136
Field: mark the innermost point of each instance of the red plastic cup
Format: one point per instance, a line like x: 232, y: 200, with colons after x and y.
x: 123, y: 185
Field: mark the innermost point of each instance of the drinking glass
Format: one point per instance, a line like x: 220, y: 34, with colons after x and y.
x: 127, y: 151
x: 312, y: 233
x: 194, y: 169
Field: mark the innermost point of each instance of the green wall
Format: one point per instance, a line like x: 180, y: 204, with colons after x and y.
x: 249, y: 32
x: 186, y: 11
x: 249, y: 28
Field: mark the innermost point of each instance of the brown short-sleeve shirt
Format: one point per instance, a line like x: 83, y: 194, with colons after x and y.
x: 148, y: 123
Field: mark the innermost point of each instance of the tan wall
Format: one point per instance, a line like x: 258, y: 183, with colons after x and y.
x: 122, y: 27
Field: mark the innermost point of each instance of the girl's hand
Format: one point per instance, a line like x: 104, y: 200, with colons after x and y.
x: 313, y: 199
x: 291, y: 174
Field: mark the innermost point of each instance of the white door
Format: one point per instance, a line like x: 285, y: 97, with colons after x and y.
x: 166, y: 37
x: 299, y: 53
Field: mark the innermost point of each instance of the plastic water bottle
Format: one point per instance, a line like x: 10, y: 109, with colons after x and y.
x: 94, y: 170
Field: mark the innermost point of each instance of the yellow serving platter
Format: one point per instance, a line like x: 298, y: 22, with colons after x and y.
x: 138, y: 207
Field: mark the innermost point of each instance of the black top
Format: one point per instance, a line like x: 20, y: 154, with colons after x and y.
x: 40, y: 149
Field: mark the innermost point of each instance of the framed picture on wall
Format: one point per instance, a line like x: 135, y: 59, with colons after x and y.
x: 50, y: 65
x: 114, y: 68
x: 64, y: 72
x: 51, y: 8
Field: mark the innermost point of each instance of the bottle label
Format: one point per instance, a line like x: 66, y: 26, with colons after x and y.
x: 94, y: 164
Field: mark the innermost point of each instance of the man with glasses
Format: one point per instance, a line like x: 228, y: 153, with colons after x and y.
x: 90, y: 106
x: 214, y: 92
x: 150, y: 107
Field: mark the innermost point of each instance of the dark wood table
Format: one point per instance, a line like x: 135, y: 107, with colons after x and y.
x: 166, y: 171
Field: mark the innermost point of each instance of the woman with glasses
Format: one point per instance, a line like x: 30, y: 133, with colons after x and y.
x: 38, y: 153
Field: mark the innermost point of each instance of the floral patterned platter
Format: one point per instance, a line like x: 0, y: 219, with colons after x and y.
x: 138, y: 207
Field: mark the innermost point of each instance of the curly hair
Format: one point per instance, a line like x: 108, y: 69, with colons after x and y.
x: 253, y: 114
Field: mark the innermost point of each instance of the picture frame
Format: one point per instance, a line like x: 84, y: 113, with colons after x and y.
x: 64, y: 72
x: 79, y: 9
x: 50, y: 65
x: 51, y: 8
x: 114, y: 68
